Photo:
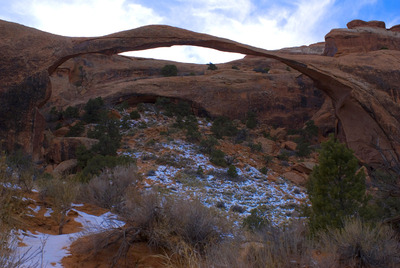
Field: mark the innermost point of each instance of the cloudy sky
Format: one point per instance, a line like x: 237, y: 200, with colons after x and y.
x: 270, y: 24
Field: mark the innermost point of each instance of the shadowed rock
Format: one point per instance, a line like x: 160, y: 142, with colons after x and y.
x: 363, y: 87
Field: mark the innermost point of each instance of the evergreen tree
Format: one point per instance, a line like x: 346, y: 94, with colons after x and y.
x: 336, y: 190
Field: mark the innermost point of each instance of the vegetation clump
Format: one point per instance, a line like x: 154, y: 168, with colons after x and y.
x: 169, y: 70
x: 134, y: 115
x: 223, y: 126
x: 95, y: 110
x: 257, y: 220
x: 336, y: 187
x: 71, y: 112
x: 218, y: 158
x: 251, y: 120
x: 232, y: 172
x: 76, y: 130
x: 212, y: 66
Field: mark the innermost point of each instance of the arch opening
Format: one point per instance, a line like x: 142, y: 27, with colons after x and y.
x: 186, y: 54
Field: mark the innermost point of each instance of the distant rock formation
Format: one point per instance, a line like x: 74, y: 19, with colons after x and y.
x: 362, y: 36
x: 363, y: 86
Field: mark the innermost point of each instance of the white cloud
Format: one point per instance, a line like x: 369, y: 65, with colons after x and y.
x: 87, y: 18
x: 262, y: 23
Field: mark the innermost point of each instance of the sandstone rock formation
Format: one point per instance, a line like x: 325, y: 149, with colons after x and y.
x: 282, y: 97
x: 362, y: 86
x: 361, y: 36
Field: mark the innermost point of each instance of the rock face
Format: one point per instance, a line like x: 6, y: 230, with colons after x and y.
x: 282, y: 96
x: 363, y: 87
x: 361, y: 36
x: 64, y: 148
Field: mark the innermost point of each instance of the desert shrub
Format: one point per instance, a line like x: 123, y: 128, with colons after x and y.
x: 359, y: 244
x: 134, y: 115
x: 232, y: 172
x: 76, y: 130
x: 279, y: 247
x: 23, y: 169
x: 235, y: 67
x: 303, y: 148
x: 386, y: 201
x: 310, y: 130
x: 257, y: 220
x: 238, y: 209
x: 11, y: 208
x: 283, y: 156
x: 223, y: 126
x: 264, y: 70
x: 264, y: 170
x: 169, y: 70
x: 200, y: 171
x: 241, y: 135
x: 307, y: 135
x: 207, y: 145
x: 122, y: 106
x: 100, y: 163
x: 10, y: 196
x: 192, y: 128
x: 190, y: 124
x: 217, y: 157
x: 71, y: 112
x: 164, y: 220
x: 255, y: 147
x: 108, y: 189
x: 55, y: 114
x: 181, y: 108
x: 268, y: 159
x: 94, y: 110
x: 184, y: 229
x: 62, y: 193
x: 83, y: 155
x: 107, y: 132
x: 251, y: 120
x: 212, y: 66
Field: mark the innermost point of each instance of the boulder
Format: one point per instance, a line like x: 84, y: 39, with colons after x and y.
x: 268, y: 146
x: 61, y: 132
x: 278, y: 133
x: 289, y: 145
x: 65, y: 168
x: 304, y: 167
x: 296, y: 178
x: 370, y: 24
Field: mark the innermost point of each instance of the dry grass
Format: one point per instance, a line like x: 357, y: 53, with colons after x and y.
x: 12, y: 207
x: 268, y: 247
x: 360, y: 244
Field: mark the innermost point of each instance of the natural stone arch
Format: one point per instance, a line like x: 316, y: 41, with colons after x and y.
x: 31, y: 55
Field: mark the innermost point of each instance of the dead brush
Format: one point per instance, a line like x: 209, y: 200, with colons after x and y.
x: 108, y: 189
x: 360, y: 244
x: 280, y: 247
x: 183, y: 229
x: 271, y: 247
